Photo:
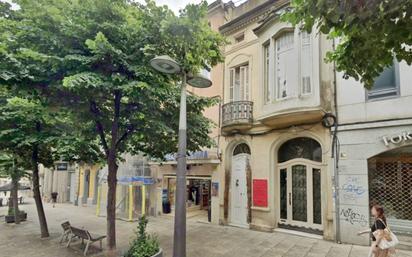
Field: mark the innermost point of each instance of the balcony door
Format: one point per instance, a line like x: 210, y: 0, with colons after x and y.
x: 239, y: 83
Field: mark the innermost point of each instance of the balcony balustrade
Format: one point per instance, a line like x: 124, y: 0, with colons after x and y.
x: 237, y: 115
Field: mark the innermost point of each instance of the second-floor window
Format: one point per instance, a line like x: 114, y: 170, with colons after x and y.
x: 239, y: 83
x: 292, y: 66
x: 285, y: 66
x: 386, y: 84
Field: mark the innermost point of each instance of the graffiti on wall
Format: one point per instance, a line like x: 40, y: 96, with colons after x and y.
x: 352, y: 189
x: 353, y: 217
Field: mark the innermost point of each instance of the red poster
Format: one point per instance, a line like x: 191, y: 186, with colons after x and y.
x: 260, y: 193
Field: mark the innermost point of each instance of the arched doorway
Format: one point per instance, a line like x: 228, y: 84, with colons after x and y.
x: 238, y: 186
x: 299, y: 176
x: 390, y: 185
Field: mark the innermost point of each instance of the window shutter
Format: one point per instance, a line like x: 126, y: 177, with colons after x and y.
x: 231, y: 84
x: 244, y: 83
x: 306, y: 63
x: 266, y: 56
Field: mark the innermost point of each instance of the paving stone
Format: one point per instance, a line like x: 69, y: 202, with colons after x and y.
x: 203, y: 240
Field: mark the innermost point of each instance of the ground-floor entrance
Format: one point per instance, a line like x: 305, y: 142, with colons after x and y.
x: 300, y: 195
x: 299, y: 185
x: 198, y: 189
x: 390, y: 185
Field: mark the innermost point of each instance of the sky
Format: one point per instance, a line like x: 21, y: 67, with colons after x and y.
x: 175, y: 5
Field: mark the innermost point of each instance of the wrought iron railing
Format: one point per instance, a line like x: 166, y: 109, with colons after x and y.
x: 239, y: 112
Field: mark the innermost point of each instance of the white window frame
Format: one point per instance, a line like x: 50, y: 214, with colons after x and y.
x: 243, y: 87
x: 271, y: 91
x: 276, y: 52
x: 267, y: 85
x: 309, y: 45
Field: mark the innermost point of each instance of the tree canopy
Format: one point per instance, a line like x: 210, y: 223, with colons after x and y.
x: 369, y: 33
x: 91, y: 58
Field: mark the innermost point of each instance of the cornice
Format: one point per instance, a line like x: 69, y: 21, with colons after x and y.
x: 252, y: 16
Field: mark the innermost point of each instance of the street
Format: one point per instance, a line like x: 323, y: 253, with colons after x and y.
x: 203, y: 240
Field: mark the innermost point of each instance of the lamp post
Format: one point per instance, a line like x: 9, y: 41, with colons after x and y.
x: 166, y: 64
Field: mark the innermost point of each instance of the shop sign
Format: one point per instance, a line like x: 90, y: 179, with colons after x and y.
x: 260, y: 193
x: 62, y: 166
x: 397, y: 139
x: 136, y: 180
x: 197, y: 155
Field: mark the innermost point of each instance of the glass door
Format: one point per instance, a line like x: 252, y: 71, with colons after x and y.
x: 300, y: 194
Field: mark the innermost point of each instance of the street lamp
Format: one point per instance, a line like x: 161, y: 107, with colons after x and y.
x: 166, y: 64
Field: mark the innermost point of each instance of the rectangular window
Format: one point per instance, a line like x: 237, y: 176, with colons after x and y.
x: 266, y: 58
x: 239, y: 83
x: 306, y: 63
x: 386, y: 84
x: 286, y: 71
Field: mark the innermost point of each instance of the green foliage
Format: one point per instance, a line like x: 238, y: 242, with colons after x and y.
x: 11, y: 166
x: 78, y: 55
x: 370, y: 34
x: 143, y: 245
x: 27, y: 122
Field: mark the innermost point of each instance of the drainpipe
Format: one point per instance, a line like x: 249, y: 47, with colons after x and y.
x: 335, y: 155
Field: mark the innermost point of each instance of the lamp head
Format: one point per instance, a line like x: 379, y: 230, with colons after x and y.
x: 165, y: 64
x: 199, y: 81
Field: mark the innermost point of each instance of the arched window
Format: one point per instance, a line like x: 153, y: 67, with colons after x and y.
x: 301, y: 147
x: 241, y: 148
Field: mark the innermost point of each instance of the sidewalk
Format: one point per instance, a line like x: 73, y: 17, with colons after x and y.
x: 203, y: 240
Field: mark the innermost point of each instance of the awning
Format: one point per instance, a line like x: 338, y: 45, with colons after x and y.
x: 136, y: 179
x: 7, y: 187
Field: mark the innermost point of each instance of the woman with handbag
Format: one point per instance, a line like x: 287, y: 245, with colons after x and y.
x: 383, y: 240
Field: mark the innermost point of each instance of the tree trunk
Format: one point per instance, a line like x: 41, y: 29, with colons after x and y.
x: 36, y: 194
x: 111, y: 203
x: 112, y: 176
x: 14, y: 196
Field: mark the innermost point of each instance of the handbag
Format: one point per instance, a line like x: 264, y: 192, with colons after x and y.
x: 388, y: 238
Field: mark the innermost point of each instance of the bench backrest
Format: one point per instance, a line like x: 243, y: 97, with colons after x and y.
x: 81, y: 233
x: 66, y: 226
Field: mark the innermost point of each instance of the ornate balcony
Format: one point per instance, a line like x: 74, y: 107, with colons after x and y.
x: 237, y: 115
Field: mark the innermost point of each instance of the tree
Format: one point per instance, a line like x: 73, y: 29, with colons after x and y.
x: 92, y: 57
x: 10, y: 166
x: 370, y: 33
x: 37, y: 135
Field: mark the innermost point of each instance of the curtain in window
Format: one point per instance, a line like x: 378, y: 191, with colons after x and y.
x: 286, y: 70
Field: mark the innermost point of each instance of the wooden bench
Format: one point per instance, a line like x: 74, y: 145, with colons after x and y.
x: 66, y: 231
x: 84, y: 235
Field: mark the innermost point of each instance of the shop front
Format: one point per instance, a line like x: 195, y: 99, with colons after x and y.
x: 202, y: 186
x: 375, y: 167
x: 198, y: 196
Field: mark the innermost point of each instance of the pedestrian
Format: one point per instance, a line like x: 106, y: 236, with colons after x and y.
x: 377, y: 232
x: 54, y: 197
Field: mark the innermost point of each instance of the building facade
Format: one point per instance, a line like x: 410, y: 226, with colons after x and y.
x: 375, y: 152
x: 304, y: 150
x: 202, y: 166
x: 276, y: 172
